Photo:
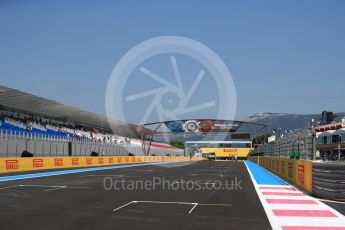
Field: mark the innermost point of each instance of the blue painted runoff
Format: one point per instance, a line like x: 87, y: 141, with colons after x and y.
x: 262, y: 176
x: 70, y: 171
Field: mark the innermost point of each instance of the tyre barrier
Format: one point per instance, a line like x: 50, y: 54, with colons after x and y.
x: 329, y: 180
x: 94, y: 154
x: 324, y: 180
x: 27, y: 154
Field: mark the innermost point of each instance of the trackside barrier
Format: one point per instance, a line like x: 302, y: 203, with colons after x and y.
x: 297, y: 172
x: 39, y: 163
x: 329, y: 180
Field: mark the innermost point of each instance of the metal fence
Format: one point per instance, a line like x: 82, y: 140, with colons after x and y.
x: 301, y: 140
x: 12, y: 144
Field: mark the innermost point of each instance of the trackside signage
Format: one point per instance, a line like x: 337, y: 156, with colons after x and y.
x: 37, y: 163
x: 298, y: 172
x: 29, y: 164
x: 12, y: 164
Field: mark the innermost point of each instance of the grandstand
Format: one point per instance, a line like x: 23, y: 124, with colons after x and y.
x: 331, y: 140
x: 49, y: 128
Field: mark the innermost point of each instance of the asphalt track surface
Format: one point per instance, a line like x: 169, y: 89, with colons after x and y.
x: 85, y: 200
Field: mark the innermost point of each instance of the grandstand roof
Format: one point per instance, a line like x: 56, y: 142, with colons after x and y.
x: 35, y: 105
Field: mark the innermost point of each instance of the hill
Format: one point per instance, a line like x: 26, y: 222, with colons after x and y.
x: 287, y: 121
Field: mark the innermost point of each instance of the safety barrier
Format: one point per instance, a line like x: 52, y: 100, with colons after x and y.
x: 297, y: 172
x: 39, y: 163
x: 329, y: 180
x: 12, y: 145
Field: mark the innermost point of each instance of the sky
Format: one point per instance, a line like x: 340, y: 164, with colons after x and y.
x: 284, y: 56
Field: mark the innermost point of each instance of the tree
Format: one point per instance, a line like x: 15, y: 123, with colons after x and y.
x: 177, y: 144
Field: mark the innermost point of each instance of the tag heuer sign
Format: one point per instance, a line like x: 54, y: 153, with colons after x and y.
x: 191, y: 126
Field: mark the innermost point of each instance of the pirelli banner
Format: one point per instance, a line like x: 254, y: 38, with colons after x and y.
x: 227, y: 152
x: 297, y: 172
x: 33, y: 163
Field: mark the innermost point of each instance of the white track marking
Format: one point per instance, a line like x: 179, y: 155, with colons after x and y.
x: 196, y: 204
x: 197, y: 174
x: 220, y: 167
x: 65, y: 187
x: 116, y: 209
x: 164, y: 202
x: 141, y: 170
x: 297, y: 207
x: 171, y: 202
x: 206, y: 183
x: 285, y: 197
x: 78, y: 187
x: 53, y: 189
x: 50, y: 187
x: 218, y: 205
x: 159, y: 202
x: 42, y: 186
x: 309, y: 221
x: 13, y: 186
x: 104, y: 176
x: 332, y: 201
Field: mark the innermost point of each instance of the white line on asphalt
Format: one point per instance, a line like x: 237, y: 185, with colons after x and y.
x: 185, y: 182
x: 116, y: 209
x: 13, y: 186
x: 196, y: 204
x: 52, y: 189
x: 103, y: 176
x: 332, y: 201
x: 218, y: 205
x: 172, y: 202
x: 196, y: 174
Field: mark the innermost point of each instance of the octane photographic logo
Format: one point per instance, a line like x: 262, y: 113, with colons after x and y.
x: 122, y: 184
x: 170, y: 78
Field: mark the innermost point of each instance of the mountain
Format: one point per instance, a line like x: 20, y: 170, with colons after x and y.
x: 287, y: 121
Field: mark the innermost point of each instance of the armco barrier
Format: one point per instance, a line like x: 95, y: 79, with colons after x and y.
x: 297, y: 172
x: 29, y: 164
x: 329, y: 180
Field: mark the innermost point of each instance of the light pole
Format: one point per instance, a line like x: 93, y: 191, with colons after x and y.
x: 339, y: 149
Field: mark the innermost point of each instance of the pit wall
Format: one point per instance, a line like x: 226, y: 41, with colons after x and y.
x: 8, y: 165
x: 296, y: 172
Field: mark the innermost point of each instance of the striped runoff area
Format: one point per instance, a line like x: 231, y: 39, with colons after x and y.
x: 288, y: 208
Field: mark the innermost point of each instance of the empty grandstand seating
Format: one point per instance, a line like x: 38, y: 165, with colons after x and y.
x: 22, y: 125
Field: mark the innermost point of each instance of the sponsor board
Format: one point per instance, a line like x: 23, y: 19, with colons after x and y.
x: 12, y: 164
x: 58, y: 162
x: 227, y: 152
x: 33, y: 163
x: 297, y: 172
x: 37, y: 163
